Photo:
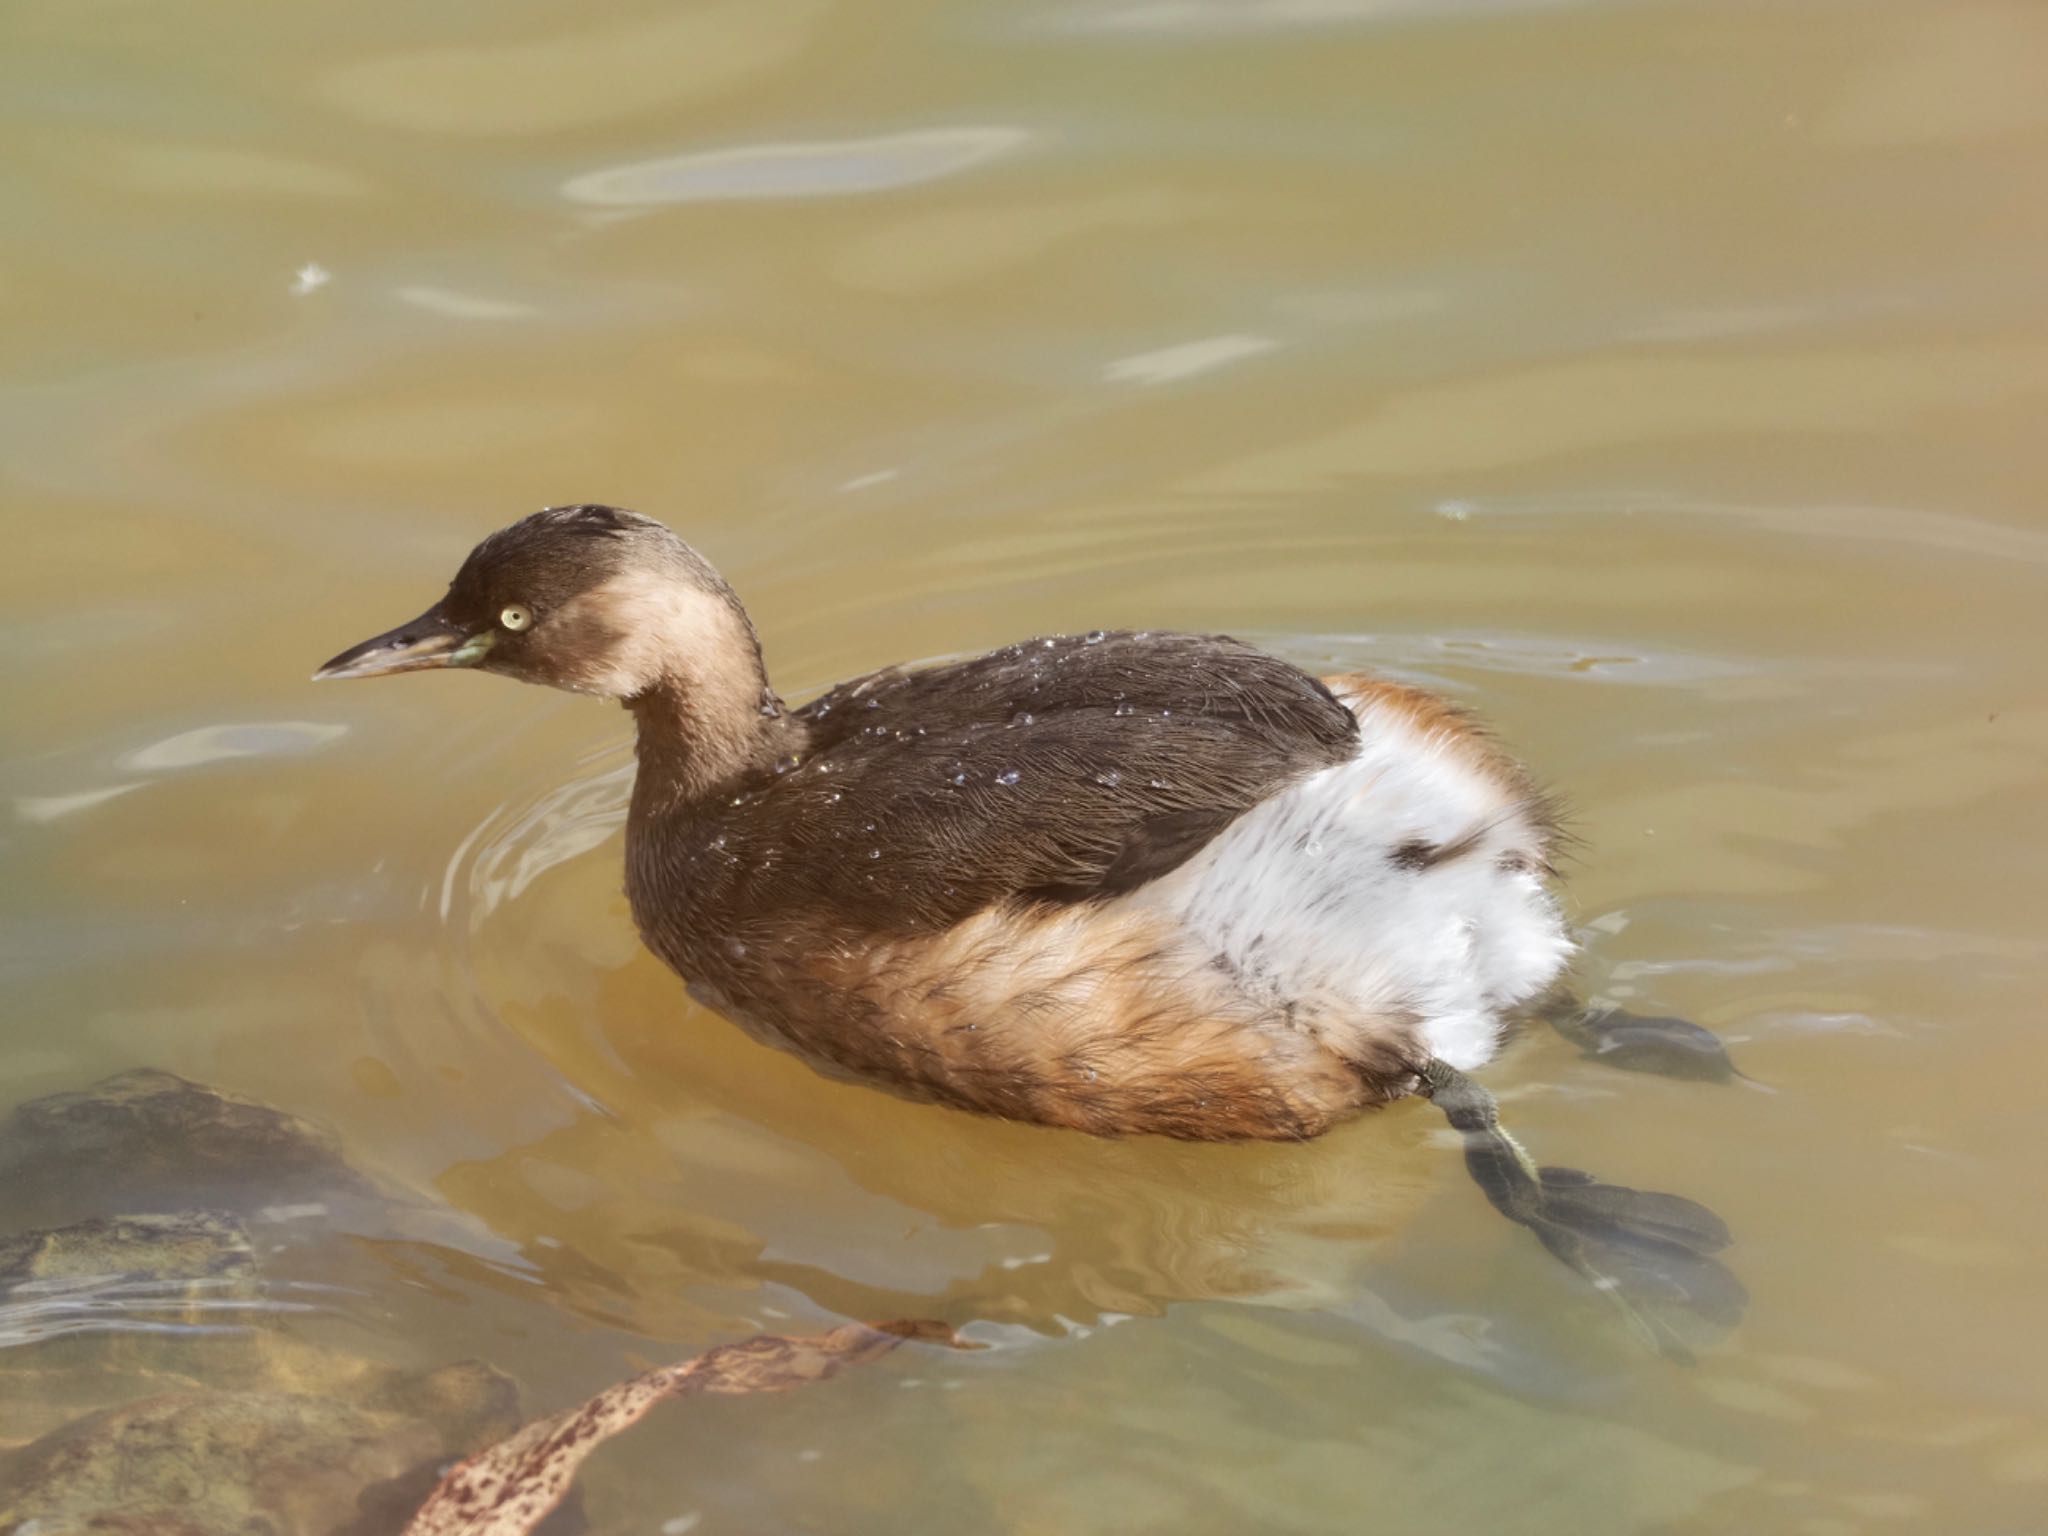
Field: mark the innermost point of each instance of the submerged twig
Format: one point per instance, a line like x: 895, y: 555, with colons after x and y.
x: 510, y: 1488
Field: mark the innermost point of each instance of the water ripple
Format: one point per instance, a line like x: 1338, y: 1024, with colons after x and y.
x: 1951, y: 533
x: 511, y: 848
x: 38, y: 1310
x: 1211, y: 18
x: 828, y: 168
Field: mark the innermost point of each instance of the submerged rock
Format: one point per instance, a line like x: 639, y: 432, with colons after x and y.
x: 160, y: 1367
x: 280, y: 1463
x: 151, y: 1141
x: 100, y: 1310
x: 176, y: 1246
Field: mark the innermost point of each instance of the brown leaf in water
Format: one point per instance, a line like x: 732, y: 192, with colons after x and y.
x: 510, y: 1488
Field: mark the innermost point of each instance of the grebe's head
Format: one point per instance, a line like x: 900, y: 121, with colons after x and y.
x: 591, y: 598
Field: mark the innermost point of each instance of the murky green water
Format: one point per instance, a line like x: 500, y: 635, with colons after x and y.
x: 1666, y: 379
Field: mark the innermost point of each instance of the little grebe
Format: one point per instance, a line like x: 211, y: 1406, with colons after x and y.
x: 1120, y: 882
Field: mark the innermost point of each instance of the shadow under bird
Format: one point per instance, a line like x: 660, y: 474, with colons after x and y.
x: 1126, y: 883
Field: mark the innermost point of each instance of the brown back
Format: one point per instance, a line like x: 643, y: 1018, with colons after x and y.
x: 1055, y: 770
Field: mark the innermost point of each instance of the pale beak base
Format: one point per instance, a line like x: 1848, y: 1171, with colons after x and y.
x: 427, y: 641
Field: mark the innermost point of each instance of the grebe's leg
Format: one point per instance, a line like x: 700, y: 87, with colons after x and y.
x: 1637, y: 1042
x: 1652, y: 1253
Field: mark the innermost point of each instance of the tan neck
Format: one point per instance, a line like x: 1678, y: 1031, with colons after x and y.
x: 702, y: 732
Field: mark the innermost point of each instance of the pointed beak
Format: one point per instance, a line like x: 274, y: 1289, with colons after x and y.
x: 427, y: 641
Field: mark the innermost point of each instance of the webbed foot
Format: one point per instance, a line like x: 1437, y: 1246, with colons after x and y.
x: 1653, y: 1253
x: 1644, y: 1043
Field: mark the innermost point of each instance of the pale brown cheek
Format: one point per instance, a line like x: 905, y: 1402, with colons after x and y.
x: 622, y: 638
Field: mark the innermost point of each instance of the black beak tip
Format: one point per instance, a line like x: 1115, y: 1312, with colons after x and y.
x: 327, y: 669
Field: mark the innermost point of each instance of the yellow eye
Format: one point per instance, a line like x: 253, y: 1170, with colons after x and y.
x: 516, y: 617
